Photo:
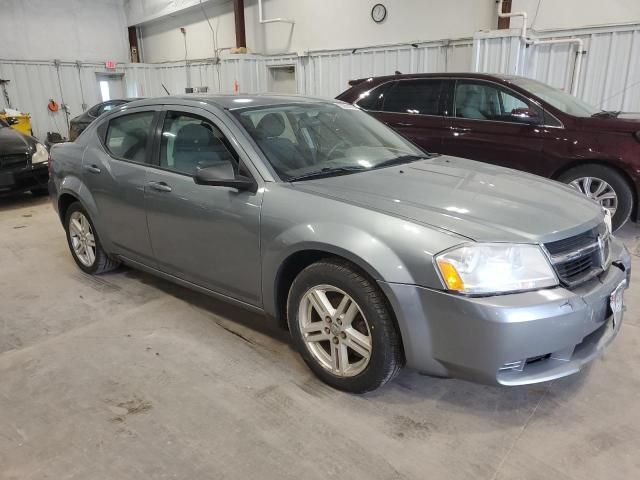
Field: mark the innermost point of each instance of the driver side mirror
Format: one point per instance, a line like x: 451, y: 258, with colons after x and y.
x: 525, y: 115
x: 223, y: 175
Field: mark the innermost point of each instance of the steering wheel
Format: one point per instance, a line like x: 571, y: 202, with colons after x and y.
x: 330, y: 153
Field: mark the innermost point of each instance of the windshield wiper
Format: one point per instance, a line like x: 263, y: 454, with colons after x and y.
x: 607, y: 114
x: 403, y: 159
x: 327, y: 172
x: 330, y: 172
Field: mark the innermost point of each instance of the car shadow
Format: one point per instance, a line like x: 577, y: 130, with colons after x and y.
x: 21, y: 200
x: 410, y: 387
x: 228, y: 311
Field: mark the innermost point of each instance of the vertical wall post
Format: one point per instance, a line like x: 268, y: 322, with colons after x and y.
x: 238, y: 11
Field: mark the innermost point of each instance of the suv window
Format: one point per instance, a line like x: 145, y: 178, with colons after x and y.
x: 414, y: 96
x: 190, y: 142
x: 127, y: 136
x: 372, y: 100
x: 486, y: 101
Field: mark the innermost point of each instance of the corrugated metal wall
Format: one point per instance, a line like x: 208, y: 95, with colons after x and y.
x: 610, y: 75
x: 328, y: 72
x: 32, y: 84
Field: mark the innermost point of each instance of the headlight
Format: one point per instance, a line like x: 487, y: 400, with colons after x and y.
x: 41, y: 155
x: 494, y: 268
x: 607, y: 221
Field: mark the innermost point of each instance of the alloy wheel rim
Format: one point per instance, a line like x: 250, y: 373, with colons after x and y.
x: 598, y: 190
x: 82, y: 239
x: 335, y: 330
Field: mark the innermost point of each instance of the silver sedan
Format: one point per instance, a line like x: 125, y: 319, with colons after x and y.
x: 376, y: 254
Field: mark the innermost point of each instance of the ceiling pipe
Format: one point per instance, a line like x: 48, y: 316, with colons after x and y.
x: 578, y: 64
x: 514, y: 14
x: 272, y: 20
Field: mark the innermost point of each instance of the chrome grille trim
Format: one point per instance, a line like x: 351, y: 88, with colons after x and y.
x: 580, y: 258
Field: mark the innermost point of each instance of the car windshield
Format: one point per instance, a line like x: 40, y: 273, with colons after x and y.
x: 557, y: 98
x: 303, y: 141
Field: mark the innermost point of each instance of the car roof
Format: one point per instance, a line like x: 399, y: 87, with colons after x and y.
x: 472, y: 75
x: 232, y: 102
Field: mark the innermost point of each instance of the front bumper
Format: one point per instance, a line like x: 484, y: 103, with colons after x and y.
x: 557, y: 331
x: 25, y: 178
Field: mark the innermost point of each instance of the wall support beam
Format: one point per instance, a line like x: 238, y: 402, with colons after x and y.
x: 238, y: 11
x: 505, y: 22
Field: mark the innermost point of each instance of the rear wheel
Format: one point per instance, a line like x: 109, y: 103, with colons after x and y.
x: 84, y: 242
x: 604, y: 185
x: 341, y: 325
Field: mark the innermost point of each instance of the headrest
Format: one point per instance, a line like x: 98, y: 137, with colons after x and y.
x: 193, y: 135
x: 271, y: 125
x: 469, y: 90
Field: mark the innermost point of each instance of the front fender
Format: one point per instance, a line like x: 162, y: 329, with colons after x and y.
x: 363, y: 249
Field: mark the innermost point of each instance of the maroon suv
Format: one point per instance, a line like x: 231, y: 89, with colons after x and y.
x: 515, y: 122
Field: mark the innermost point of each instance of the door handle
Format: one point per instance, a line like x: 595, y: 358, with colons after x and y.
x: 460, y: 129
x: 92, y: 168
x: 160, y: 186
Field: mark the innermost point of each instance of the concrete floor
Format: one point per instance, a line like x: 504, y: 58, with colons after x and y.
x: 126, y: 376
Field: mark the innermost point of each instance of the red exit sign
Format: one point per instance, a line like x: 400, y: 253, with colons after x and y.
x: 110, y: 64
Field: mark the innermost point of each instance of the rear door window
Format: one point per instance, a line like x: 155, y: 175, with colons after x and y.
x: 419, y: 97
x: 128, y: 136
x: 372, y: 99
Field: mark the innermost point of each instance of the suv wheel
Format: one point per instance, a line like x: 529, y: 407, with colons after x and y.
x: 84, y: 242
x: 341, y: 325
x: 605, y: 186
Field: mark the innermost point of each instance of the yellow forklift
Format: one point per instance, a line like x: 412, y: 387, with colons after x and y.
x: 18, y: 120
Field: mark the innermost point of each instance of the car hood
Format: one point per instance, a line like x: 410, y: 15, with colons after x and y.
x: 13, y: 142
x: 475, y: 200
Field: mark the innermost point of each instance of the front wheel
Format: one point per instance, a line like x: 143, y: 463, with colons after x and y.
x: 604, y: 185
x: 341, y: 325
x: 84, y: 242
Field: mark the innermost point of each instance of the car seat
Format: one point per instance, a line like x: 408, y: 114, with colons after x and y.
x: 196, y: 146
x: 469, y: 102
x: 283, y: 151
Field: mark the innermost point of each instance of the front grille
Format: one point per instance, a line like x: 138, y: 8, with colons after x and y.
x: 572, y: 243
x: 19, y: 160
x: 581, y: 257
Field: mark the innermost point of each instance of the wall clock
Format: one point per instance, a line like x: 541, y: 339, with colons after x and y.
x: 378, y: 12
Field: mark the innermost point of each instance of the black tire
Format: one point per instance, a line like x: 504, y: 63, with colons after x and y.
x: 615, y: 180
x: 102, y: 263
x: 386, y: 357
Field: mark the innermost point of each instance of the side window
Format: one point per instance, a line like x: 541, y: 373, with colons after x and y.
x: 486, y: 101
x: 414, y: 96
x: 128, y: 135
x: 108, y: 107
x: 190, y: 142
x: 551, y: 121
x: 372, y: 99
